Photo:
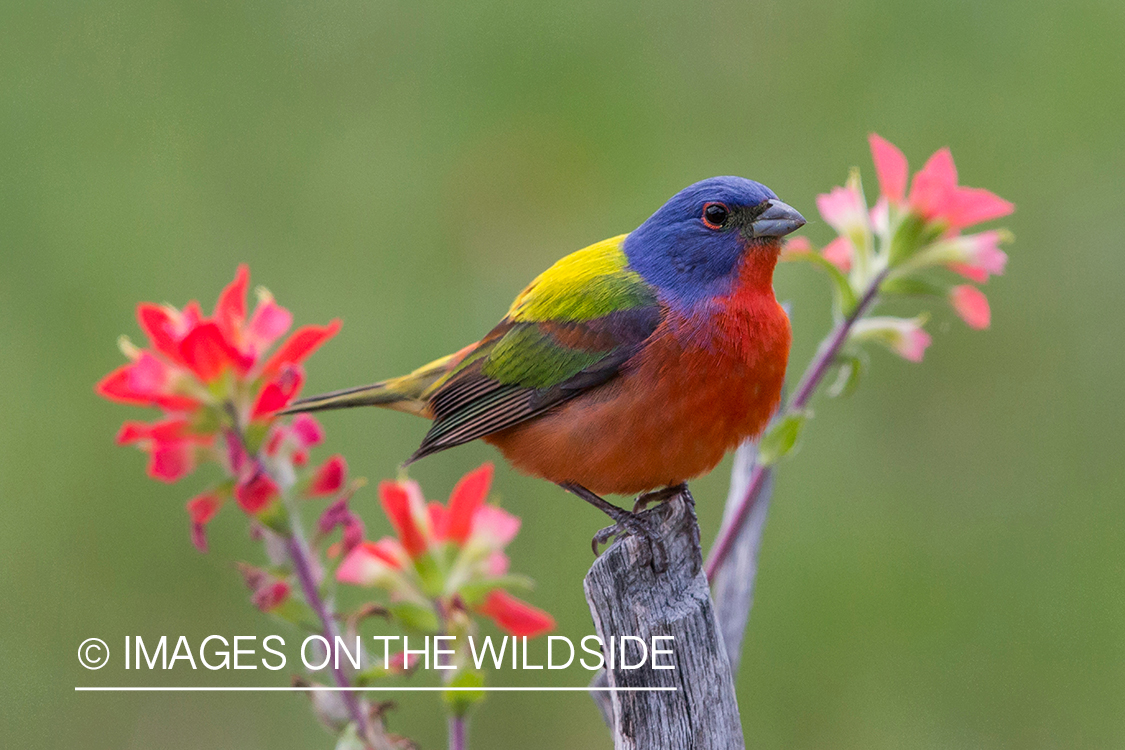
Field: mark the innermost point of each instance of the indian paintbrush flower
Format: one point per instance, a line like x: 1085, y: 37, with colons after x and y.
x: 913, y: 230
x: 199, y: 370
x: 218, y: 386
x: 899, y: 249
x: 446, y: 556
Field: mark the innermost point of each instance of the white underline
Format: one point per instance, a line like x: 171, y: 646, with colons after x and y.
x: 333, y: 689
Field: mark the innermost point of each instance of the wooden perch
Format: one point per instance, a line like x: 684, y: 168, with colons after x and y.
x: 627, y: 598
x: 733, y: 587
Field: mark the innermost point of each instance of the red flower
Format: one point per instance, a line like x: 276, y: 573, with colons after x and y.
x: 339, y: 514
x: 890, y: 166
x: 449, y: 554
x: 307, y: 430
x: 467, y: 497
x: 406, y: 509
x: 299, y: 346
x: 191, y: 352
x: 839, y: 253
x: 271, y: 596
x: 979, y: 255
x: 201, y: 509
x: 375, y: 564
x: 208, y: 354
x: 270, y: 321
x: 170, y: 444
x: 843, y: 209
x: 199, y: 370
x: 515, y: 616
x: 278, y: 392
x: 329, y: 478
x: 903, y: 336
x: 267, y: 592
x: 256, y: 492
x: 466, y: 521
x: 294, y: 439
x: 148, y: 381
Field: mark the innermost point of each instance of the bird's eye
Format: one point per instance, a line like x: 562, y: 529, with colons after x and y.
x: 715, y: 215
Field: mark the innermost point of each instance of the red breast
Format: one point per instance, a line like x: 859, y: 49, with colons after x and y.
x: 704, y: 382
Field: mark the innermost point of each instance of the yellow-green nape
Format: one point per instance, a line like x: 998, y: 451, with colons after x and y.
x: 587, y: 284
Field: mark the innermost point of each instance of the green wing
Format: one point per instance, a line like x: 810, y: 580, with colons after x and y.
x: 572, y: 329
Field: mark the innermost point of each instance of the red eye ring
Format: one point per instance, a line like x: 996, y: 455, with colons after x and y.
x: 715, y: 215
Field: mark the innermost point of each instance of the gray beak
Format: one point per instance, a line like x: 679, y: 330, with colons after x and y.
x: 778, y: 220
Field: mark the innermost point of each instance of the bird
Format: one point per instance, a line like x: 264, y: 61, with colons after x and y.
x: 628, y: 367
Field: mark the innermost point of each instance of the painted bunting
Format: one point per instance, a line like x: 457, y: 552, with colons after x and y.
x: 630, y: 366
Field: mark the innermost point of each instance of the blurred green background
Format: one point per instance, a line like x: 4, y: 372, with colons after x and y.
x: 944, y: 565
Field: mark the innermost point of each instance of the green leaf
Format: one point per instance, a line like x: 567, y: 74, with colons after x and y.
x: 416, y: 617
x: 906, y: 240
x: 430, y: 574
x: 781, y: 438
x: 208, y: 420
x: 371, y: 675
x: 255, y: 434
x: 847, y: 380
x: 275, y: 517
x: 460, y: 701
x: 297, y: 612
x: 473, y: 593
x: 859, y: 236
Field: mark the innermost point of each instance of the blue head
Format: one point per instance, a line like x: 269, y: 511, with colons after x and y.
x: 692, y: 247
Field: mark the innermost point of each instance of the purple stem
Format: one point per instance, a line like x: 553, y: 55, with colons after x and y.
x: 457, y: 733
x: 814, y: 374
x: 302, y: 558
x: 302, y: 565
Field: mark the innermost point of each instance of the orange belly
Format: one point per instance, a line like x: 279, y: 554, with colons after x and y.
x: 672, y: 414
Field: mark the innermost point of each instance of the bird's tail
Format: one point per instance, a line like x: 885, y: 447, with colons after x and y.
x: 377, y: 394
x: 409, y: 393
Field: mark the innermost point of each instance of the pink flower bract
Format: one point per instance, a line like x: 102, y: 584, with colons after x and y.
x: 839, y: 252
x: 912, y: 345
x: 843, y: 208
x: 934, y: 193
x: 890, y: 167
x: 971, y: 304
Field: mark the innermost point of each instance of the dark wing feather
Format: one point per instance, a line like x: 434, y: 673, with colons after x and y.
x: 525, y: 368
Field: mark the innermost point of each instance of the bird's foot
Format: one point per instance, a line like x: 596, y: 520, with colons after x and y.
x: 625, y: 524
x: 633, y: 524
x: 659, y: 496
x: 662, y: 495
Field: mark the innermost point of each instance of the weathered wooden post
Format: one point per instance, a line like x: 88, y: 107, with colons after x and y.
x: 627, y: 597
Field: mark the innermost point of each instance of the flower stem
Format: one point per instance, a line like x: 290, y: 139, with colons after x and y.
x: 302, y: 564
x: 457, y: 733
x: 303, y: 558
x: 814, y: 374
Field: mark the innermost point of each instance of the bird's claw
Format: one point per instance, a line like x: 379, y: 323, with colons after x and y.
x: 632, y: 524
